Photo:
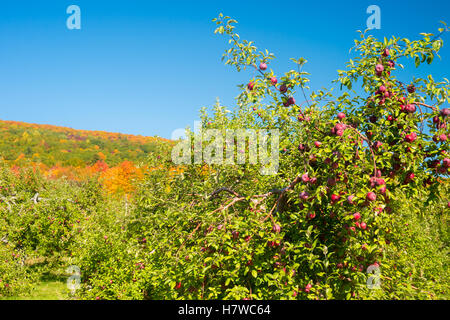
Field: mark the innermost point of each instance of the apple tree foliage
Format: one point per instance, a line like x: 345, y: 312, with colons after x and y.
x: 355, y: 169
x: 358, y: 207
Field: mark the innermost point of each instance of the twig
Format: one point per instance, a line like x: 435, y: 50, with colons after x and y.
x: 215, y: 193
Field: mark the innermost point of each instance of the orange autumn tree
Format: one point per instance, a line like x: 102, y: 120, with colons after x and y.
x: 122, y: 178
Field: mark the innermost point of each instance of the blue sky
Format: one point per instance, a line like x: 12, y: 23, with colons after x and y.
x: 147, y: 67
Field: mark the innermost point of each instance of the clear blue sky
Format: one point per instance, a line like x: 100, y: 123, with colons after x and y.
x: 147, y: 67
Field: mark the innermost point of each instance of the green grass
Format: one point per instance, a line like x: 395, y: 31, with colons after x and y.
x: 45, y: 290
x: 51, y: 286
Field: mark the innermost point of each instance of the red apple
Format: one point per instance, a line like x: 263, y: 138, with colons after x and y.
x: 305, y: 178
x: 341, y: 115
x: 350, y: 199
x: 371, y: 196
x: 276, y: 228
x: 379, y: 68
x: 335, y: 197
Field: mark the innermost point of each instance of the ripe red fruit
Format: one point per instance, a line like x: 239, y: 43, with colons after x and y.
x: 317, y: 144
x: 382, y: 89
x: 386, y: 52
x: 250, y: 86
x: 379, y: 68
x: 390, y: 118
x: 391, y: 63
x: 311, y: 215
x: 273, y: 80
x: 445, y: 112
x: 443, y: 137
x: 308, y: 287
x: 335, y: 197
x: 371, y: 196
x: 411, y: 137
x: 356, y: 215
x: 276, y: 228
x: 446, y: 163
x: 235, y: 234
x: 178, y: 285
x: 363, y: 225
x: 411, y: 108
x: 291, y: 101
x: 263, y: 66
x: 283, y: 88
x: 339, y: 126
x: 411, y: 88
x: 341, y: 115
x: 350, y: 199
x: 305, y: 178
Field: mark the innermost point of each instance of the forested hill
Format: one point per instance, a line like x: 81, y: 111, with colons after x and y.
x: 50, y: 145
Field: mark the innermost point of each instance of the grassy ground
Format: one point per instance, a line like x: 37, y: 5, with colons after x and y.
x: 51, y: 285
x: 45, y: 290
